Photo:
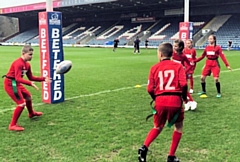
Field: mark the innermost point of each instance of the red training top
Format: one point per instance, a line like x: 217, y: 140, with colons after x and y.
x: 182, y: 59
x: 190, y: 53
x: 167, y: 77
x: 18, y: 69
x: 212, y: 53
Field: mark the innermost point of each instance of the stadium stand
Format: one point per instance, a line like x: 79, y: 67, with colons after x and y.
x: 65, y: 30
x: 123, y: 30
x: 83, y: 32
x: 230, y: 30
x: 212, y: 27
x: 167, y: 30
x: 24, y: 36
x: 226, y: 31
x: 97, y: 31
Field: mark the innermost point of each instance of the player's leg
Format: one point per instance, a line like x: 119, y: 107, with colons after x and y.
x: 19, y: 100
x: 216, y: 72
x: 191, y: 72
x: 203, y: 84
x: 191, y: 104
x: 159, y: 122
x: 176, y: 136
x: 31, y: 112
x: 206, y: 72
x: 187, y: 105
x: 138, y: 49
x: 190, y: 76
x: 14, y: 126
x: 28, y: 98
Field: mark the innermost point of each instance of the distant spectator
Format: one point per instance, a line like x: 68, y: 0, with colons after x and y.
x: 115, y: 42
x: 146, y: 44
x: 229, y: 44
x: 136, y: 45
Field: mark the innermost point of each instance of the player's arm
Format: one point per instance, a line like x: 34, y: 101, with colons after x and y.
x: 37, y: 79
x: 221, y: 54
x: 34, y: 78
x: 183, y: 82
x: 18, y: 75
x: 201, y: 57
x: 188, y: 63
x: 194, y: 54
x: 151, y: 86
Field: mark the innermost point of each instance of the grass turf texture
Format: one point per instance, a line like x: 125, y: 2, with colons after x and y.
x: 103, y: 117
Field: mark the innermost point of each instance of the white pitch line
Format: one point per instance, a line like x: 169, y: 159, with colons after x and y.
x: 102, y: 92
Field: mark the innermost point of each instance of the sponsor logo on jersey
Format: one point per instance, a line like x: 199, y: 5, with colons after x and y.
x: 188, y: 55
x: 177, y: 61
x: 210, y: 53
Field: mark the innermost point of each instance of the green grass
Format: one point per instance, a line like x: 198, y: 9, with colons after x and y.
x: 103, y: 118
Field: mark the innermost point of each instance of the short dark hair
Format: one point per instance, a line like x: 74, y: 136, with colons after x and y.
x: 180, y: 44
x: 27, y: 48
x: 166, y: 49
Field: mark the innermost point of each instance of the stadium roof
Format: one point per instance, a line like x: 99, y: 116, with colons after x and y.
x: 127, y: 6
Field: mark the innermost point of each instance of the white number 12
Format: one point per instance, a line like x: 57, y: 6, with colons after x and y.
x: 165, y: 74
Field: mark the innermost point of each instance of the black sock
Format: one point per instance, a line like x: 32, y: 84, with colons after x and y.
x: 204, y: 87
x: 218, y: 87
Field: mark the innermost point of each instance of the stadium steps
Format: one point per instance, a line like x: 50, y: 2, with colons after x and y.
x: 152, y: 26
x: 69, y: 28
x: 211, y: 27
x: 157, y: 34
x: 109, y: 28
x: 142, y: 35
x: 204, y: 38
x: 10, y: 36
x: 87, y: 35
x: 217, y: 22
x: 95, y: 37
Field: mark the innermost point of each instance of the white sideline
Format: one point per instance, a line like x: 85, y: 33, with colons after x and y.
x: 102, y: 92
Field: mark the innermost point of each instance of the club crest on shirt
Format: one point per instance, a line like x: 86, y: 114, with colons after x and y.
x: 24, y: 71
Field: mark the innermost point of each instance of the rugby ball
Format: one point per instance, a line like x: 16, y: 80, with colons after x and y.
x: 63, y: 67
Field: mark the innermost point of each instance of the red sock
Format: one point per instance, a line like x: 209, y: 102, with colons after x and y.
x: 153, y: 133
x: 189, y: 96
x: 16, y: 114
x: 175, y: 141
x: 191, y: 82
x: 29, y: 106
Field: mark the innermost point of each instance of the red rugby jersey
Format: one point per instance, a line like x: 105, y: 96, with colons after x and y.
x: 190, y: 53
x: 169, y: 77
x: 212, y: 53
x: 182, y: 59
x: 18, y: 69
